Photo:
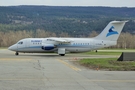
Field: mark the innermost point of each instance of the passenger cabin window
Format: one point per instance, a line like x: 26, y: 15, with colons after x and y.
x: 20, y: 43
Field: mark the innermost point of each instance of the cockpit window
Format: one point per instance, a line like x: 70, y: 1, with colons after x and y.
x: 20, y: 42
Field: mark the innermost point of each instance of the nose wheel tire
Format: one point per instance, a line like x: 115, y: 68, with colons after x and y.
x: 62, y: 54
x: 16, y: 53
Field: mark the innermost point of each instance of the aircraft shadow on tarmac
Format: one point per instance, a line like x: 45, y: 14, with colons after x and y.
x: 52, y: 55
x: 39, y: 55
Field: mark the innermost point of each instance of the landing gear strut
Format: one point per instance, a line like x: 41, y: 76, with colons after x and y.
x: 16, y: 53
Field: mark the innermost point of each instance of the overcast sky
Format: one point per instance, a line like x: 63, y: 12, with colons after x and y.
x: 111, y: 3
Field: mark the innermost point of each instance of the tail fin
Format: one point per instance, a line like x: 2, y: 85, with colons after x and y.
x: 111, y: 31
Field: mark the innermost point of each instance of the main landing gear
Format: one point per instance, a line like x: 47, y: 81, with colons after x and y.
x: 16, y: 53
x: 61, y: 51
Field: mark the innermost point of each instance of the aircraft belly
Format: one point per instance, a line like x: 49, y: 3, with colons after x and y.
x: 78, y: 49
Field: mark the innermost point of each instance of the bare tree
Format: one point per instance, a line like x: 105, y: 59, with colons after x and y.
x: 93, y: 34
x: 126, y: 40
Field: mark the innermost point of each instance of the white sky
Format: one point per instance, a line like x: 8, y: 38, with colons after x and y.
x: 111, y: 3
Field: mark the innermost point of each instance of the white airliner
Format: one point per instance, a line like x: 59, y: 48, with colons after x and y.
x: 108, y: 37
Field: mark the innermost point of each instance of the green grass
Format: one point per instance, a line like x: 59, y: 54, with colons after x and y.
x: 108, y: 64
x: 103, y: 53
x: 109, y: 51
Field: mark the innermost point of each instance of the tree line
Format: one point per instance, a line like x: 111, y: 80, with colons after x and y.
x: 11, y: 37
x: 126, y: 40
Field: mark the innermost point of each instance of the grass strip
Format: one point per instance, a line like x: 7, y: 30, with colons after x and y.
x: 103, y: 53
x: 108, y: 64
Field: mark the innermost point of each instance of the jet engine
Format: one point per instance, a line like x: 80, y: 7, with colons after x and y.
x: 48, y: 46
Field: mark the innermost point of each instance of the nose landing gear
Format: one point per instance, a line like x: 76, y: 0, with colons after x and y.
x: 16, y: 53
x: 62, y: 54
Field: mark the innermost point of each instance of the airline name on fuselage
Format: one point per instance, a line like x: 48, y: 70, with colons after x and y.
x: 36, y: 40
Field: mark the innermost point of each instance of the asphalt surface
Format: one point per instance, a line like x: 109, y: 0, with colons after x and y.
x: 53, y: 72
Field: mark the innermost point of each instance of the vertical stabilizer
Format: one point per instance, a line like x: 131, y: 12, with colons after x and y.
x: 111, y: 31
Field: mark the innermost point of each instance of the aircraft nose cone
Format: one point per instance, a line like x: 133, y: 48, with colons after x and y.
x: 13, y: 48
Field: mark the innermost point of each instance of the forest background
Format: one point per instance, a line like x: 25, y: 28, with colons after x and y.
x: 18, y: 22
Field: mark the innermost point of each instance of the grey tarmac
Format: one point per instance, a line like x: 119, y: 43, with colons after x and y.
x: 53, y: 72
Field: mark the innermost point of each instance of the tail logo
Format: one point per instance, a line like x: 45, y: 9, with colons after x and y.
x: 111, y: 32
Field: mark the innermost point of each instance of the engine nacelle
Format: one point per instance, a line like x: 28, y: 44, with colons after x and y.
x: 48, y: 47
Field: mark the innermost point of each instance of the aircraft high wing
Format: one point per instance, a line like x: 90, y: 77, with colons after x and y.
x: 60, y: 40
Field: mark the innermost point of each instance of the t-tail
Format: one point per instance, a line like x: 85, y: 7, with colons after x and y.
x: 112, y: 31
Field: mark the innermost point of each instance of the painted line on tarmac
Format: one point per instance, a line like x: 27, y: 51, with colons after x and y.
x: 15, y: 59
x: 20, y: 79
x: 26, y: 79
x: 67, y: 64
x: 112, y: 80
